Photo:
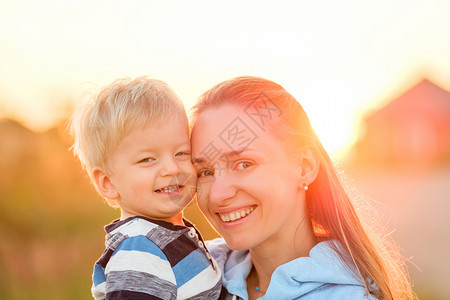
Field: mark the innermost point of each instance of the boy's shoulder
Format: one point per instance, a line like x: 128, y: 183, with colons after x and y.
x: 159, y: 232
x: 131, y: 226
x: 174, y: 253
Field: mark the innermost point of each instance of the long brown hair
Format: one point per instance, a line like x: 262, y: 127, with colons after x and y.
x: 371, y: 257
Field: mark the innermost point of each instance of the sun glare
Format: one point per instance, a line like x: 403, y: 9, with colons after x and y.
x: 338, y: 62
x: 336, y: 136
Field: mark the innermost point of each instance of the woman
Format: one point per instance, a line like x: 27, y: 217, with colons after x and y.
x: 269, y: 188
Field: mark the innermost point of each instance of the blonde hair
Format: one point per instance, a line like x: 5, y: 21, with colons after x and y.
x: 369, y: 256
x: 100, y: 124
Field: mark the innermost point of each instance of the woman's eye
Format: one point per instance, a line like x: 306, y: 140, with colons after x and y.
x: 204, y: 173
x: 244, y: 165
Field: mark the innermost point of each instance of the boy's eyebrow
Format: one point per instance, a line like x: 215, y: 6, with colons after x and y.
x: 155, y: 147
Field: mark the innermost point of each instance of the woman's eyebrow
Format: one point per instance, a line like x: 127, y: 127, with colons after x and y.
x: 227, y: 155
x: 238, y: 152
x: 198, y: 160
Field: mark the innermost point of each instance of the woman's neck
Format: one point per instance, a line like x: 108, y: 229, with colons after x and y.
x: 269, y: 255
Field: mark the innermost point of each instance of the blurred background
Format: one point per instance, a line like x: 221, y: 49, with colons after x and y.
x: 373, y: 77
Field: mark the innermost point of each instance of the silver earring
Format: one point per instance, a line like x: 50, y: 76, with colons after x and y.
x: 305, y: 187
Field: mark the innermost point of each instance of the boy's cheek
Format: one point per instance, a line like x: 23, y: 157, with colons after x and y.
x: 189, y: 177
x: 191, y: 169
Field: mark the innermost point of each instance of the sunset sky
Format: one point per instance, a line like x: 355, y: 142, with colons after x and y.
x: 340, y: 59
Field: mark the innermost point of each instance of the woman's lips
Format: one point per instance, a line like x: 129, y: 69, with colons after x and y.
x: 236, y: 214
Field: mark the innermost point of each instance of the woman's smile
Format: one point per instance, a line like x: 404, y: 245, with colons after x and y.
x: 236, y: 214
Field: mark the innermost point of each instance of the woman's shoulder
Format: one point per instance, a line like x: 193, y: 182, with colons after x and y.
x: 342, y: 292
x: 321, y: 275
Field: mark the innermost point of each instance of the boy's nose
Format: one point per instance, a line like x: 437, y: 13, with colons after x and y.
x: 169, y: 168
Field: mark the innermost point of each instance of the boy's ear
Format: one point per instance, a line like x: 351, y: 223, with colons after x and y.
x: 309, y: 163
x: 104, y: 185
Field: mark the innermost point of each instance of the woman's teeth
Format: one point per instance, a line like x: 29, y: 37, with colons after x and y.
x: 168, y: 189
x: 236, y: 215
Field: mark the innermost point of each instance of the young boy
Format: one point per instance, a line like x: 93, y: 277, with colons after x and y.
x: 133, y: 142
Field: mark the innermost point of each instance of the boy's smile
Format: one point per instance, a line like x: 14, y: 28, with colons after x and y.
x: 170, y: 189
x: 151, y: 171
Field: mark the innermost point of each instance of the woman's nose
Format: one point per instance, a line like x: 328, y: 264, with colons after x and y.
x: 222, y: 189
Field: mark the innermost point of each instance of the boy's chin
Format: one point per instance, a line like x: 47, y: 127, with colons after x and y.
x: 182, y: 201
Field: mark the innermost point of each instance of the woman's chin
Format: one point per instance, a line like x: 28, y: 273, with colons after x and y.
x: 237, y: 243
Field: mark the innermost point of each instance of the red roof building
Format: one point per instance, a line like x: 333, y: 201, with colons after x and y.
x: 412, y: 129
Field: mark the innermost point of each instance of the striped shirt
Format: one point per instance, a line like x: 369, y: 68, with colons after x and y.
x: 154, y: 259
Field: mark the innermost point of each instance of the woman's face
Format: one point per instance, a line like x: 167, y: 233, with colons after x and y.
x: 248, y: 187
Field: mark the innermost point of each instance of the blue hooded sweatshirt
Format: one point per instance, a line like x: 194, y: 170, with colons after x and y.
x: 321, y: 275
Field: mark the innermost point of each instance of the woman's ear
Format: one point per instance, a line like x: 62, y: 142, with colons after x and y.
x: 310, y: 164
x: 104, y: 185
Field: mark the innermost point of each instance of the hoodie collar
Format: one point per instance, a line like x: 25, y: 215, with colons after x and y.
x: 298, y: 277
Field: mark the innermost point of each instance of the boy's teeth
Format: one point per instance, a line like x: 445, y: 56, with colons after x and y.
x: 236, y: 215
x: 169, y: 189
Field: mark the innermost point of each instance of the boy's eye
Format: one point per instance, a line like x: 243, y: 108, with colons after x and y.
x: 147, y: 159
x: 181, y: 153
x: 244, y: 165
x: 204, y: 173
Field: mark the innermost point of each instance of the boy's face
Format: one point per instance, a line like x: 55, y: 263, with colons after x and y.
x: 152, y: 173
